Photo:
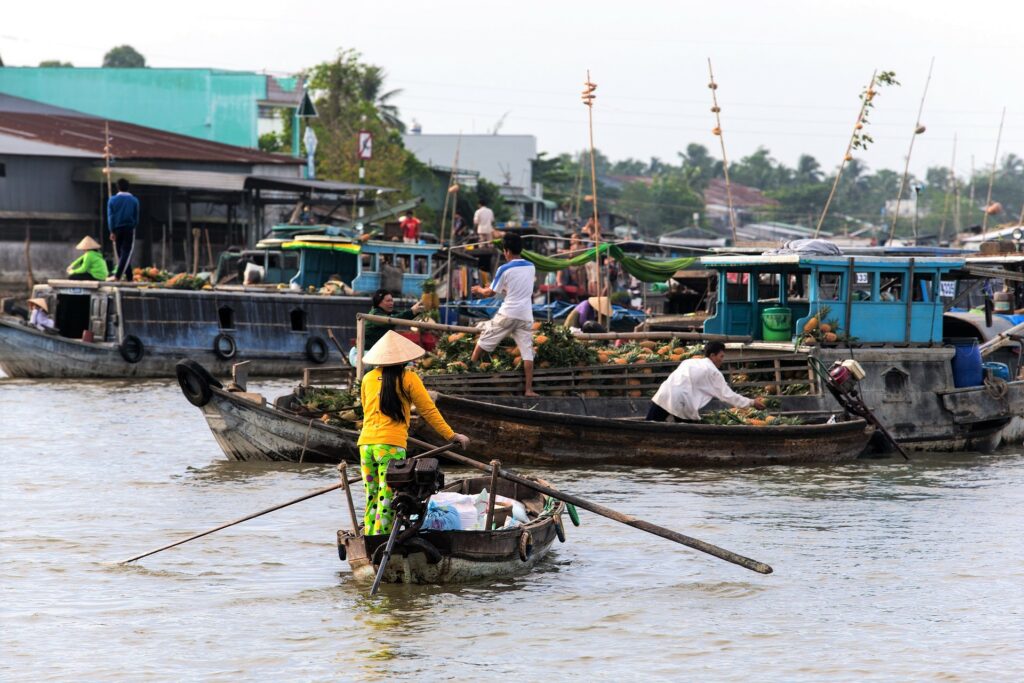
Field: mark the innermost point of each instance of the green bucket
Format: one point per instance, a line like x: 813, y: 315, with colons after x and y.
x: 776, y: 324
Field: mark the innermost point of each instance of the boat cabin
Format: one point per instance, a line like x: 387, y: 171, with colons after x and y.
x: 872, y: 299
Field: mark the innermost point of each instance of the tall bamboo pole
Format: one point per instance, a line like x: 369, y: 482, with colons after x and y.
x: 721, y: 139
x: 951, y: 190
x: 588, y: 99
x: 992, y: 175
x: 849, y: 148
x: 918, y: 129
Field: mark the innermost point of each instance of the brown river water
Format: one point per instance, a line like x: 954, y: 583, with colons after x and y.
x: 884, y: 570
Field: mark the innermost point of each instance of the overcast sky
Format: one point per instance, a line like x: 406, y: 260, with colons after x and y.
x: 789, y: 72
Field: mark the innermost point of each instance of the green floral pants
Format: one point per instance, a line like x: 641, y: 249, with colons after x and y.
x: 373, y: 461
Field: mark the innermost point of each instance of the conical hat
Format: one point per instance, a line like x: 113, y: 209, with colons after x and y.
x: 601, y: 304
x: 41, y: 303
x: 393, y: 349
x: 88, y: 243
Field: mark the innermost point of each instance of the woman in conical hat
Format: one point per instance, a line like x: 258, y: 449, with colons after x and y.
x: 90, y: 265
x: 388, y: 393
x: 40, y: 314
x: 587, y: 310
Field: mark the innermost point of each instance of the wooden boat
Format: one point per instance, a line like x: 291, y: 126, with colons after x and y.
x: 443, y: 557
x: 574, y: 432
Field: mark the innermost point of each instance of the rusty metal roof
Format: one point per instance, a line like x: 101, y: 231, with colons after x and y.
x: 86, y: 133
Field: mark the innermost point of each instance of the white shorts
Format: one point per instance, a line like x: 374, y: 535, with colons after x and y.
x: 500, y: 326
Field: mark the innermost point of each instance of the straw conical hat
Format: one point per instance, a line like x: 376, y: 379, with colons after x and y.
x: 88, y: 243
x: 393, y: 349
x: 600, y: 304
x: 41, y: 303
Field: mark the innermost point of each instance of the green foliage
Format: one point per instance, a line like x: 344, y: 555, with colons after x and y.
x: 55, y: 64
x: 861, y: 139
x: 665, y: 204
x: 275, y: 143
x: 124, y: 57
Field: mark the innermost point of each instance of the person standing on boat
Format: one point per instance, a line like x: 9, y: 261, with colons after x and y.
x: 483, y: 219
x: 410, y: 228
x: 693, y: 384
x: 514, y: 280
x: 388, y: 393
x: 122, y: 219
x: 90, y: 265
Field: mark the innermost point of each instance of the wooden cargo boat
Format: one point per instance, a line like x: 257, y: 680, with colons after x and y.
x: 573, y: 432
x: 444, y: 557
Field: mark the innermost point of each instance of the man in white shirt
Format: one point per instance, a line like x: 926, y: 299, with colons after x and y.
x: 483, y: 219
x: 514, y: 281
x: 693, y: 384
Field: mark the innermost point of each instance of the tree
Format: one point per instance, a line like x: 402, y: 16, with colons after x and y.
x: 666, y: 204
x: 55, y: 64
x: 759, y: 170
x: 124, y: 57
x: 699, y: 165
x: 808, y: 170
x: 371, y: 82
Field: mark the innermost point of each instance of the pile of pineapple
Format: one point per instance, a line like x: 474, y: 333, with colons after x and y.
x: 819, y: 329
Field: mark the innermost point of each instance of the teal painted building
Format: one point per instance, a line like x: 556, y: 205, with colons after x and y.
x: 210, y: 104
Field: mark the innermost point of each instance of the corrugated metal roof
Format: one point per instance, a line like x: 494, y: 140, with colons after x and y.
x: 86, y: 133
x: 159, y: 177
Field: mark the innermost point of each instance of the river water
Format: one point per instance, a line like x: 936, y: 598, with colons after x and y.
x: 884, y: 570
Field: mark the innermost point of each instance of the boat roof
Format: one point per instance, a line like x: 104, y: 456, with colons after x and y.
x: 808, y: 260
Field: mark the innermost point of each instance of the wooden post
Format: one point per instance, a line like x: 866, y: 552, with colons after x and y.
x: 850, y: 275
x: 28, y: 258
x: 209, y: 249
x: 495, y: 469
x: 343, y: 471
x: 360, y: 341
x: 908, y: 292
x: 188, y: 233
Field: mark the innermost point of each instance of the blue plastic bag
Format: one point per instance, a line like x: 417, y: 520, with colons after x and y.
x: 441, y: 518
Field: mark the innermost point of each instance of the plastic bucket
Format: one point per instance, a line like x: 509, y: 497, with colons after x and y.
x: 776, y: 324
x: 967, y: 367
x: 1000, y: 370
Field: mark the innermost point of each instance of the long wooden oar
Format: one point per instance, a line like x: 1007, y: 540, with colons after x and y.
x: 312, y: 494
x: 629, y: 520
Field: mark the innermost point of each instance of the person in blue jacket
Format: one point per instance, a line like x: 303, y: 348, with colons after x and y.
x: 122, y: 219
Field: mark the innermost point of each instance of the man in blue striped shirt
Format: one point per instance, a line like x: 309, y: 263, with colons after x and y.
x: 122, y: 219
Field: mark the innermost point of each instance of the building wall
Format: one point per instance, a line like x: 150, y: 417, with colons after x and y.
x: 202, y: 103
x: 500, y: 159
x: 43, y: 185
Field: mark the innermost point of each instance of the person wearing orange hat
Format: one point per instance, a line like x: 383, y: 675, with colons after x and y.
x: 387, y: 394
x: 39, y: 317
x: 90, y: 265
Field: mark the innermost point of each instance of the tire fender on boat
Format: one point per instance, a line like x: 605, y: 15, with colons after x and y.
x: 132, y: 349
x: 412, y: 545
x: 559, y: 528
x: 316, y: 349
x: 525, y: 545
x: 195, y: 382
x: 574, y: 516
x: 224, y: 346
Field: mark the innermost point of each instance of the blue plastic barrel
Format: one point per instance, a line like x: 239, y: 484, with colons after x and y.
x: 1000, y: 370
x: 967, y: 367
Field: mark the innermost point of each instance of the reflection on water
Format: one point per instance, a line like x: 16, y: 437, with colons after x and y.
x: 884, y: 570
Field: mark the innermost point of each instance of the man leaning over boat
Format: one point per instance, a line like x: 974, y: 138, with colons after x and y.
x: 693, y: 384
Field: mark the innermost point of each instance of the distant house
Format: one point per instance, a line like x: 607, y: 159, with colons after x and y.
x: 231, y: 107
x: 746, y: 202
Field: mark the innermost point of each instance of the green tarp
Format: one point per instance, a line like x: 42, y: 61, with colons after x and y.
x: 640, y: 268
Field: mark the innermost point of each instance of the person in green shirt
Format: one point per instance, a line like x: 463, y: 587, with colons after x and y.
x: 384, y: 305
x: 90, y: 265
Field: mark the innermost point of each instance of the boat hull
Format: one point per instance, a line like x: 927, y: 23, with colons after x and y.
x: 29, y: 353
x: 465, y: 556
x: 550, y: 435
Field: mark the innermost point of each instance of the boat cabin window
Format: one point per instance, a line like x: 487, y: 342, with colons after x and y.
x: 890, y: 287
x: 924, y: 287
x: 768, y: 287
x: 226, y: 315
x: 298, y: 317
x: 830, y: 286
x: 797, y: 287
x: 419, y: 265
x: 862, y: 286
x: 368, y: 262
x: 736, y: 289
x: 290, y: 260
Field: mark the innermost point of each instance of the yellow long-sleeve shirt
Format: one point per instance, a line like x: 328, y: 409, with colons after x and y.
x: 378, y: 428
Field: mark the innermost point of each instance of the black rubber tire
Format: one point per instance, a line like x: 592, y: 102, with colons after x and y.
x: 525, y: 545
x: 559, y: 529
x: 342, y: 553
x: 132, y: 349
x: 222, y: 340
x: 195, y: 382
x: 316, y: 349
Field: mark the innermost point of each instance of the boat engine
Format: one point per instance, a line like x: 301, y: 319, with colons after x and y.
x: 845, y: 375
x: 412, y: 482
